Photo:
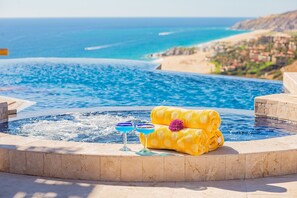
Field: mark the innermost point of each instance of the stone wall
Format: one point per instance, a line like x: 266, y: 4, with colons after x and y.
x: 3, y: 112
x: 105, y: 162
x: 278, y: 106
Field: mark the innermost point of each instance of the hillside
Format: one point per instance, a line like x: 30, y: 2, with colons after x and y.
x: 290, y: 68
x: 266, y: 56
x: 277, y: 22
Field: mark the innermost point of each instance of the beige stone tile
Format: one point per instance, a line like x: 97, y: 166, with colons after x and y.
x: 235, y: 166
x: 226, y: 149
x: 49, y: 146
x: 34, y: 163
x: 3, y: 134
x: 220, y: 189
x: 105, y: 149
x: 71, y: 166
x: 255, y: 165
x: 174, y: 168
x: 279, y: 195
x: 188, y: 193
x: 80, y: 167
x: 4, y: 160
x: 291, y: 142
x: 272, y: 164
x: 134, y: 190
x: 153, y: 168
x: 131, y: 168
x: 215, y: 168
x: 17, y: 161
x: 282, y: 185
x: 14, y: 142
x: 110, y: 168
x: 90, y: 167
x: 288, y: 162
x: 195, y: 168
x: 52, y: 165
x: 88, y: 149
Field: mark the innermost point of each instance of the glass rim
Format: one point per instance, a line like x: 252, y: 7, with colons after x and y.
x: 145, y: 125
x: 122, y: 124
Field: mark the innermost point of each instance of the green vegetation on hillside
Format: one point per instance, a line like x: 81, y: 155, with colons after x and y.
x: 262, y: 57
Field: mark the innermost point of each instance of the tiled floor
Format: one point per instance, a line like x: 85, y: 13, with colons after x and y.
x: 19, y: 186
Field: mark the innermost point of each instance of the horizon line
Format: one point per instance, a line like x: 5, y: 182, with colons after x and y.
x: 94, y: 17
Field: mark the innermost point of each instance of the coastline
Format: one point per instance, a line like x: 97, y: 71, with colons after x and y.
x: 198, y: 62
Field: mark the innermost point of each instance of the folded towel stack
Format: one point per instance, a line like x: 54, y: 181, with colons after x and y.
x: 200, y: 135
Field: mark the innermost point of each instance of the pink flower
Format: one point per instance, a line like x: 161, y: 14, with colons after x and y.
x: 176, y: 125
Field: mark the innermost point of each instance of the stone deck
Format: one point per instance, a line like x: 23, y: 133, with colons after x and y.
x: 9, y: 107
x: 19, y: 186
x: 15, y: 105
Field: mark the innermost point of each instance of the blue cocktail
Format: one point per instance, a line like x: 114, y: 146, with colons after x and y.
x: 125, y: 127
x: 146, y: 129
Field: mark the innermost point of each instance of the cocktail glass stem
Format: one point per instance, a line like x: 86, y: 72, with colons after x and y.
x: 125, y: 148
x: 125, y: 139
x: 145, y: 145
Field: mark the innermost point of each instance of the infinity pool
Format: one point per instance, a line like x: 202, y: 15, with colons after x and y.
x: 86, y: 83
x: 99, y: 126
x: 82, y: 83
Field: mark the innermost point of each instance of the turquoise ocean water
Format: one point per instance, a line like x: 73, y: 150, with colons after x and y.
x: 125, y: 38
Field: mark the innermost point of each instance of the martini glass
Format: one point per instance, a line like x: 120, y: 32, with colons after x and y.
x: 125, y: 127
x: 146, y: 129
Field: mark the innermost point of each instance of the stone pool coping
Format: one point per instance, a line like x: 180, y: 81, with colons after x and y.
x: 280, y: 106
x: 104, y: 162
x: 290, y: 82
x: 15, y: 105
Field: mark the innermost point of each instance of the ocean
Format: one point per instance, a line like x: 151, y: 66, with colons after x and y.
x: 115, y: 38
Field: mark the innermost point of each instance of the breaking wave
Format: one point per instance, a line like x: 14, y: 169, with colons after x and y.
x: 102, y: 46
x: 166, y: 33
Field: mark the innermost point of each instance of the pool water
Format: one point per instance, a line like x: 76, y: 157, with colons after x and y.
x: 83, y: 83
x: 100, y: 126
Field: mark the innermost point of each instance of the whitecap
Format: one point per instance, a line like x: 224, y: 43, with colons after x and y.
x: 165, y: 33
x: 101, y: 46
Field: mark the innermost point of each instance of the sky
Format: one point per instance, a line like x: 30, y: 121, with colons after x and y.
x: 143, y: 8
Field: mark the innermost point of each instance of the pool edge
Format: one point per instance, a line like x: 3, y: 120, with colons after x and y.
x: 104, y: 162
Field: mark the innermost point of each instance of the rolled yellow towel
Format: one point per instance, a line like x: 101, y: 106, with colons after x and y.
x: 208, y: 120
x: 216, y: 139
x: 191, y: 141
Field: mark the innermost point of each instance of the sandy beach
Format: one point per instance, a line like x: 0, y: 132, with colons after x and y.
x: 195, y: 63
x: 198, y: 62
